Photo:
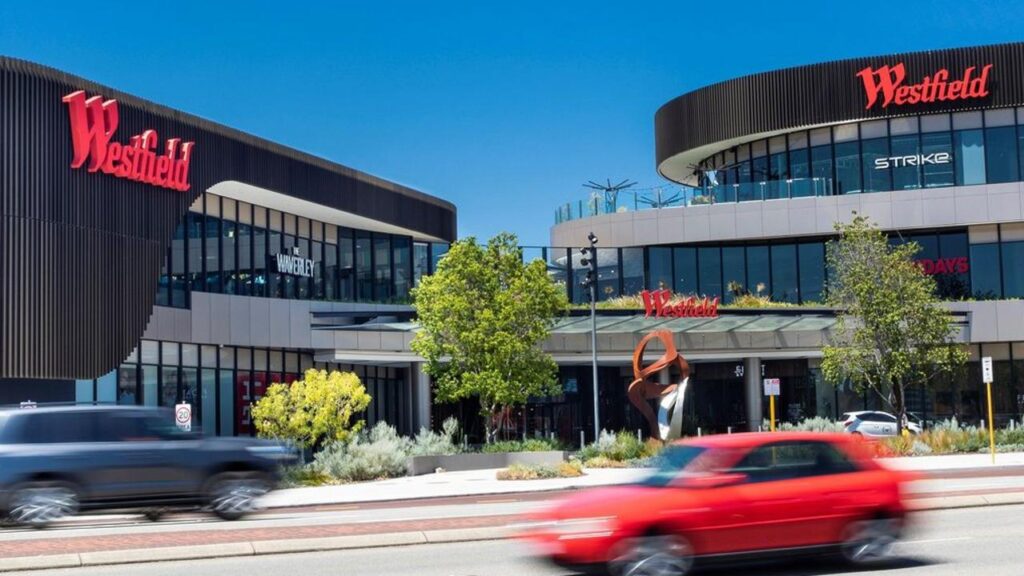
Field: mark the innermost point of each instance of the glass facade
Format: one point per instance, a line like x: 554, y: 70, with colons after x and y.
x: 229, y: 247
x: 789, y: 270
x: 963, y: 149
x: 221, y: 383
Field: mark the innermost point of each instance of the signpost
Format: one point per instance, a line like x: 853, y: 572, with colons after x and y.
x: 986, y: 377
x: 771, y: 390
x: 183, y: 417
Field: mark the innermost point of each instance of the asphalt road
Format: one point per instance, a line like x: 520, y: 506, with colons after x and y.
x: 944, y: 543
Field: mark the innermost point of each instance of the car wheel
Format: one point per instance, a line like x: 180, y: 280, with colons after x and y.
x: 39, y: 504
x: 233, y: 495
x: 654, y: 555
x: 153, y: 515
x: 869, y: 541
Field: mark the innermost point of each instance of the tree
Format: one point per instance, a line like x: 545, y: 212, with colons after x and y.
x: 892, y: 330
x: 313, y: 411
x: 482, y: 315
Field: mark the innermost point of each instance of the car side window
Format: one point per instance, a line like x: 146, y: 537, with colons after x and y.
x: 59, y: 427
x: 793, y: 459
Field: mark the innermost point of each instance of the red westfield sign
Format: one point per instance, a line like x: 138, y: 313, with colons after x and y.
x: 888, y: 82
x: 658, y: 303
x: 93, y: 123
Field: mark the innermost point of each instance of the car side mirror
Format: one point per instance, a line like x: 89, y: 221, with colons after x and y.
x: 718, y: 480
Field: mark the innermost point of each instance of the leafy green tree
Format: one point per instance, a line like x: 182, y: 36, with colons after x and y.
x: 482, y: 315
x: 892, y: 330
x: 310, y: 412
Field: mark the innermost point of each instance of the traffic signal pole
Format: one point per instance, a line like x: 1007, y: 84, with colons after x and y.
x: 589, y: 259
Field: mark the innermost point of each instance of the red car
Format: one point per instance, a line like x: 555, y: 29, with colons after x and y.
x: 729, y: 496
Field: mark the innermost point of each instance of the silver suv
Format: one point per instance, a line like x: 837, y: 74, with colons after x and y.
x: 873, y: 423
x: 55, y: 462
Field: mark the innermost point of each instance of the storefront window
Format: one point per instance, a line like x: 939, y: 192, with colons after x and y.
x: 685, y: 260
x: 905, y: 177
x: 734, y: 272
x: 784, y: 276
x: 128, y: 384
x: 709, y: 262
x: 659, y: 272
x: 954, y: 284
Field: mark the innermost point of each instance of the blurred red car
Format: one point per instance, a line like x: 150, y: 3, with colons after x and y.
x: 731, y: 496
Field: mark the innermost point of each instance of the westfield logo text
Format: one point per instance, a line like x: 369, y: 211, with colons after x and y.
x: 888, y: 82
x: 93, y: 123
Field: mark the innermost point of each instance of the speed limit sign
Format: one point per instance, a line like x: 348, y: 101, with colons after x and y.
x: 183, y: 417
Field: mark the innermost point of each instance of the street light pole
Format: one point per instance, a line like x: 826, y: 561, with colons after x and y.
x: 589, y: 259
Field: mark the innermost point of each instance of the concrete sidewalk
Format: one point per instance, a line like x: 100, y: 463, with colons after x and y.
x: 480, y: 482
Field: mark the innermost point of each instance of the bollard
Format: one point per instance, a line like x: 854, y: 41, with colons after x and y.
x: 983, y: 424
x: 698, y: 431
x: 583, y: 441
x: 729, y: 430
x: 638, y: 438
x: 760, y: 428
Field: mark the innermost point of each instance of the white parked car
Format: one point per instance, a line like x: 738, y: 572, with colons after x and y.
x: 873, y: 423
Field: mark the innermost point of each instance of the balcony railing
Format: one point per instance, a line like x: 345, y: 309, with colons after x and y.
x: 672, y: 196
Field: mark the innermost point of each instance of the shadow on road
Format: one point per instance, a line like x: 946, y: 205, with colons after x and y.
x: 810, y: 567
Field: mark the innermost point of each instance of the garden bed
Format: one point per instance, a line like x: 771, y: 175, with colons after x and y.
x: 418, y: 465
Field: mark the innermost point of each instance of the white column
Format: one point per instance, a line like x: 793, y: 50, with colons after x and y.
x: 753, y: 392
x: 420, y: 382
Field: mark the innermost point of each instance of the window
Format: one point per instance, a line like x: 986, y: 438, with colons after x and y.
x: 875, y: 179
x: 985, y: 280
x: 659, y: 275
x: 685, y: 260
x: 709, y: 261
x: 420, y: 262
x: 791, y: 460
x: 364, y: 272
x: 245, y: 277
x: 743, y: 177
x: 632, y: 270
x: 759, y: 174
x: 784, y: 278
x: 905, y: 177
x: 954, y: 284
x: 382, y: 268
x: 608, y: 273
x: 821, y: 170
x: 800, y: 172
x: 734, y: 272
x: 1013, y: 269
x: 1001, y: 154
x: 437, y: 251
x: 778, y: 173
x: 346, y: 266
x: 212, y: 252
x: 969, y: 156
x: 936, y: 175
x: 812, y: 271
x: 403, y: 267
x: 758, y: 270
x: 274, y: 279
x: 848, y: 168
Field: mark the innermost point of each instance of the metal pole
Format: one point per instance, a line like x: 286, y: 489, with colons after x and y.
x: 593, y: 350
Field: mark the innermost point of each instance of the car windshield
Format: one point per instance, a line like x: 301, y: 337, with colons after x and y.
x: 671, y: 463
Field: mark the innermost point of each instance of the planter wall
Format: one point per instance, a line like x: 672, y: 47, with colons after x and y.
x: 460, y: 462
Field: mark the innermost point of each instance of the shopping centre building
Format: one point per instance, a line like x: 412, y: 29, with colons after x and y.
x: 153, y: 257
x: 928, y: 145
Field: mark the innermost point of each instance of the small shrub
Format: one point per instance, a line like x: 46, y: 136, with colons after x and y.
x: 528, y: 445
x: 303, y: 475
x: 381, y: 453
x: 816, y: 424
x: 430, y: 443
x: 602, y: 462
x: 570, y: 469
x: 621, y: 446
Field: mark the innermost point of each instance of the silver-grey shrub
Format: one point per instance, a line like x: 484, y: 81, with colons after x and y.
x: 379, y: 453
x: 430, y: 443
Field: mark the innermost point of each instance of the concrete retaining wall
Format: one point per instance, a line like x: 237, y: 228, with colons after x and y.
x: 459, y: 462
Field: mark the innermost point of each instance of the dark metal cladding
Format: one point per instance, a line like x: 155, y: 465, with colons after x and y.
x: 81, y: 253
x: 822, y: 94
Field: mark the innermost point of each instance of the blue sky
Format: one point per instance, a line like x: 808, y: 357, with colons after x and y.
x: 504, y: 109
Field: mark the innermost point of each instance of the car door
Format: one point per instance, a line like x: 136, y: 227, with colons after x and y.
x: 788, y: 505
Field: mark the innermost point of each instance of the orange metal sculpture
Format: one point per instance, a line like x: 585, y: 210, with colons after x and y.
x: 641, y: 390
